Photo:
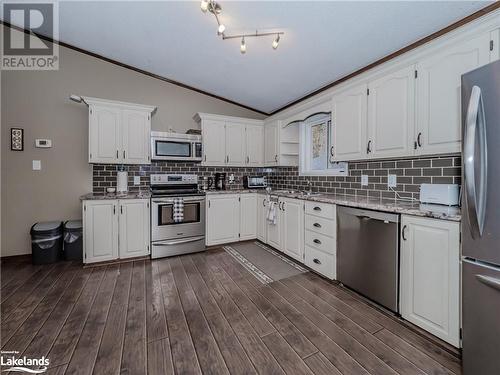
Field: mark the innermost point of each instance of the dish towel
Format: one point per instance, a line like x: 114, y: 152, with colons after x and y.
x: 271, y: 213
x: 178, y: 210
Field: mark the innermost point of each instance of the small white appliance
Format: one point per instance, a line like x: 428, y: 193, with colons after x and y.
x: 176, y: 146
x: 122, y: 182
x: 43, y: 143
x: 445, y: 194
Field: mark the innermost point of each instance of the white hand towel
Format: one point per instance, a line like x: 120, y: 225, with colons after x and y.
x: 178, y: 214
x: 271, y: 214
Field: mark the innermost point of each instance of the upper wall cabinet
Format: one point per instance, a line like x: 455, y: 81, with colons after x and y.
x: 391, y: 106
x: 438, y: 117
x: 231, y: 141
x: 349, y: 124
x: 271, y: 143
x: 119, y: 133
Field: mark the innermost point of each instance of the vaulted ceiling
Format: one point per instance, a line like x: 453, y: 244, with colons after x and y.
x: 323, y: 40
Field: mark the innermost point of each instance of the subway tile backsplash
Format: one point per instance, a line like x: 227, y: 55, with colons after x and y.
x: 410, y: 174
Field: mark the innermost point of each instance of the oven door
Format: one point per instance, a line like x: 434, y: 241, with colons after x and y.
x: 163, y: 226
x: 171, y: 149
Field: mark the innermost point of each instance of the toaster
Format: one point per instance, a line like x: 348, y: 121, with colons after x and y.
x: 445, y: 194
x: 253, y: 182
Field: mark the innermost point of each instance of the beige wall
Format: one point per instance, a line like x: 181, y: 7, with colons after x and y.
x: 38, y: 102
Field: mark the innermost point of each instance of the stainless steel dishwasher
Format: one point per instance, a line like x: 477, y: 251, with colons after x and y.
x: 368, y: 254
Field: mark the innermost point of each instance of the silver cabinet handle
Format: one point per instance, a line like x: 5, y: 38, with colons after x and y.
x: 403, y: 232
x: 317, y: 241
x: 124, y: 154
x: 475, y: 121
x: 283, y: 206
x: 121, y: 209
x: 490, y: 281
x: 276, y: 158
x: 117, y: 154
x: 419, y: 141
x: 369, y: 147
x: 317, y: 225
x: 227, y: 158
x: 331, y: 151
x: 316, y: 208
x: 317, y: 261
x: 263, y: 203
x: 248, y: 159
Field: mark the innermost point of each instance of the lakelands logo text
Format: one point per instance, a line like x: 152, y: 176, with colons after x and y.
x: 22, y: 48
x: 23, y: 364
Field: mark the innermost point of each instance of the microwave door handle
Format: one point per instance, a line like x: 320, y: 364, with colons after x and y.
x: 475, y: 126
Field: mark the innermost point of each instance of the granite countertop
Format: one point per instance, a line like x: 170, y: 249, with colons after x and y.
x: 101, y: 196
x: 379, y: 204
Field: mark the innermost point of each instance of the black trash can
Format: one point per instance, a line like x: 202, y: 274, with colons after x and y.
x: 73, y: 242
x: 46, y: 242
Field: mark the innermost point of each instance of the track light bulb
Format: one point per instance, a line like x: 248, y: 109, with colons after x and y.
x: 221, y: 28
x: 204, y: 5
x: 243, y: 46
x: 276, y: 42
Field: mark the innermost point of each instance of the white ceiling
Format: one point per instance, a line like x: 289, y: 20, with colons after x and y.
x: 323, y: 40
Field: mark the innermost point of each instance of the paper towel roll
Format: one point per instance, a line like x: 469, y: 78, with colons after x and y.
x: 122, y: 182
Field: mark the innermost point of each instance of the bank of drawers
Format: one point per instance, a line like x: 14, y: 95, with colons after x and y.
x: 321, y: 238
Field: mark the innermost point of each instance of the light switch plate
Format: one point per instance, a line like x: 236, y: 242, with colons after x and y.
x: 364, y: 180
x: 137, y: 180
x: 37, y: 165
x: 391, y: 180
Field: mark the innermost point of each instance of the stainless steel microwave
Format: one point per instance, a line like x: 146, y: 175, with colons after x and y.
x: 176, y: 146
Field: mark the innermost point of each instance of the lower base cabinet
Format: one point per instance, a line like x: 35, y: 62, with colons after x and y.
x: 292, y: 228
x: 262, y: 206
x: 115, y: 229
x: 430, y: 276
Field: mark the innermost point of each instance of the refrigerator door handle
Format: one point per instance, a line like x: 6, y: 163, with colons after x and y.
x: 475, y: 123
x: 490, y: 281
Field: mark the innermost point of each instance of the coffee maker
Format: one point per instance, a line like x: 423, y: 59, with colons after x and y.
x: 220, y: 181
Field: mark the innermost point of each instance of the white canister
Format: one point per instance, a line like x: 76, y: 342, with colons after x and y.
x: 122, y: 182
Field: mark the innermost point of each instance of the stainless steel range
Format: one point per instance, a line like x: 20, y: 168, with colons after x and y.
x: 177, y: 215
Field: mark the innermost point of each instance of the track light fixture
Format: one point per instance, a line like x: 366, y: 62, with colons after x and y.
x: 215, y: 8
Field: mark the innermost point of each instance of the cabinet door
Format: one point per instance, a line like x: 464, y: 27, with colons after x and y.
x: 136, y: 135
x: 271, y: 140
x: 223, y: 219
x: 134, y: 228
x: 235, y: 144
x: 439, y: 95
x: 214, y: 142
x: 430, y: 281
x: 292, y: 227
x: 274, y: 232
x: 349, y: 124
x: 494, y: 46
x: 248, y: 216
x: 104, y: 134
x: 100, y: 230
x: 254, y: 145
x: 391, y: 107
x: 262, y: 207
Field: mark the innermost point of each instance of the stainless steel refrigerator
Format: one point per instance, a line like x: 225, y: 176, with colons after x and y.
x: 481, y: 220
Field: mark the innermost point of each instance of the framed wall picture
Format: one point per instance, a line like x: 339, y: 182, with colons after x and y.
x: 16, y: 139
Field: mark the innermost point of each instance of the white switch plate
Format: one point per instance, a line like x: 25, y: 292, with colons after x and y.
x: 137, y: 180
x: 364, y: 180
x: 391, y: 180
x: 37, y: 165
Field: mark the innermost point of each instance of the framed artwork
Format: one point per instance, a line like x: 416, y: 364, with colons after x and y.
x: 16, y: 139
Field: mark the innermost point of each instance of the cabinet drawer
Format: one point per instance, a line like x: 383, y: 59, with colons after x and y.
x: 320, y: 262
x: 325, y: 210
x: 320, y: 225
x: 321, y: 242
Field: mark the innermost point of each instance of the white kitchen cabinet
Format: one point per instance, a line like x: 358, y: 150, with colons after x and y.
x: 430, y: 275
x: 248, y: 216
x: 214, y: 142
x: 235, y: 144
x: 439, y: 113
x: 254, y: 145
x: 134, y: 233
x: 274, y: 232
x: 349, y: 124
x: 262, y: 209
x: 119, y: 133
x: 100, y: 230
x: 222, y: 219
x: 271, y: 144
x: 391, y: 114
x: 292, y: 228
x: 494, y: 45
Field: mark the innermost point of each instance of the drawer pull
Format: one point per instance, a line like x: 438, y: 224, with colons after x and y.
x: 317, y: 261
x: 317, y: 225
x: 316, y: 208
x: 317, y: 241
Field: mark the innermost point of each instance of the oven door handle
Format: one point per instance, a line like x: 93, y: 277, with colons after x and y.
x: 171, y: 201
x: 178, y: 242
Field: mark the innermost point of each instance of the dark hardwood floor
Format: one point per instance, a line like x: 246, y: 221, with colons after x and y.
x: 201, y: 313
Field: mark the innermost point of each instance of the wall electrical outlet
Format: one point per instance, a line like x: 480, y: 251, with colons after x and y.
x: 364, y: 180
x: 137, y: 180
x: 391, y: 180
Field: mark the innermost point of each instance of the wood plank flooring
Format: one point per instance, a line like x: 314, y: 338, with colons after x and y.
x: 202, y: 314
